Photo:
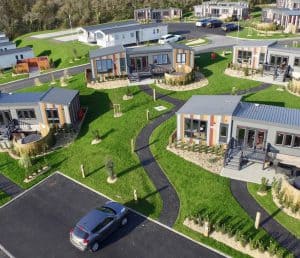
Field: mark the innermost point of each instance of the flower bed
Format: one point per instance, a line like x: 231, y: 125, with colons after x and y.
x: 203, y: 157
x: 34, y: 175
x: 198, y: 82
x: 286, y: 197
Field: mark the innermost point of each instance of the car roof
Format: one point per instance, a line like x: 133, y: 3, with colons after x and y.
x: 164, y: 36
x: 91, y: 220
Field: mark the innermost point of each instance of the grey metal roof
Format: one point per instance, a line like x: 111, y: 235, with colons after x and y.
x: 59, y: 96
x: 255, y: 43
x: 210, y: 105
x: 280, y: 48
x: 286, y: 117
x: 179, y: 46
x: 15, y: 51
x: 149, y: 49
x: 7, y: 99
x: 4, y: 38
x: 110, y: 25
x: 106, y: 51
x: 132, y: 27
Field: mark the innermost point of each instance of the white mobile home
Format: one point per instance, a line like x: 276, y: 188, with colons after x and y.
x: 9, y: 58
x: 126, y: 33
x: 87, y: 34
x: 2, y: 34
x: 3, y: 39
x: 7, y: 46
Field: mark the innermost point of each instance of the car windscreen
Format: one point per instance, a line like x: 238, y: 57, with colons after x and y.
x: 106, y: 210
x: 80, y: 233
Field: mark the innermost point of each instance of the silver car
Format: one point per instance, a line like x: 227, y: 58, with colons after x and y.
x: 97, y: 225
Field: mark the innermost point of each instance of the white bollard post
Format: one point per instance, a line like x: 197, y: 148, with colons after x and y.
x: 154, y: 94
x: 257, y: 219
x: 135, y: 195
x: 82, y: 171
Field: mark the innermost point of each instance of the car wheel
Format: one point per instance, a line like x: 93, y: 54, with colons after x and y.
x: 124, y: 221
x: 95, y: 247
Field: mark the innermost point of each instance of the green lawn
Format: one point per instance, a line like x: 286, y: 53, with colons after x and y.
x: 6, y: 76
x: 290, y: 223
x: 199, y: 189
x: 60, y: 52
x: 251, y: 33
x: 116, y: 134
x: 4, y: 198
x: 272, y: 96
x: 218, y: 81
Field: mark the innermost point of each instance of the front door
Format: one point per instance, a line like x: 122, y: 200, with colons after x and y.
x: 251, y: 138
x: 241, y: 136
x: 260, y: 139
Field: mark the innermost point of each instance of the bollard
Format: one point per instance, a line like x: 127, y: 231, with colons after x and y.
x: 82, y: 171
x: 154, y: 95
x: 135, y: 195
x: 147, y: 114
x: 257, y: 219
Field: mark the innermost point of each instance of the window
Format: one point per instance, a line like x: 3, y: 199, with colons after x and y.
x: 104, y: 66
x: 296, y: 143
x: 160, y: 59
x: 262, y: 58
x: 297, y: 61
x: 288, y: 140
x: 107, y: 221
x: 279, y: 60
x: 223, y: 133
x: 153, y: 31
x: 22, y: 57
x: 165, y: 13
x: 17, y: 58
x: 180, y: 58
x: 52, y: 115
x: 122, y: 64
x: 194, y: 128
x: 244, y: 56
x: 132, y: 34
x: 279, y: 138
x: 157, y: 31
x: 26, y: 113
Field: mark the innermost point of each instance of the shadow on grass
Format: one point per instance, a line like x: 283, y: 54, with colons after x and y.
x: 57, y: 62
x: 94, y: 171
x: 98, y: 103
x: 106, y: 134
x: 45, y: 53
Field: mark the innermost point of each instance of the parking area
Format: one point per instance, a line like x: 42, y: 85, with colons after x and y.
x: 189, y: 30
x: 37, y: 224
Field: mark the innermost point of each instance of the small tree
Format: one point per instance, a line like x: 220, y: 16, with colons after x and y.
x: 96, y: 134
x: 109, y: 165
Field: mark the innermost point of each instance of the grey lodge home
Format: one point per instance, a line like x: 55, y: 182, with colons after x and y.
x: 33, y: 112
x: 140, y: 61
x: 274, y: 59
x: 251, y: 131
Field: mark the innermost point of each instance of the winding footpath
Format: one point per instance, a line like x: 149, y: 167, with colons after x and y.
x: 168, y: 194
x: 279, y: 233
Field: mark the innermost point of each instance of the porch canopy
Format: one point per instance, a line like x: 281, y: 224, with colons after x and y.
x: 288, y: 160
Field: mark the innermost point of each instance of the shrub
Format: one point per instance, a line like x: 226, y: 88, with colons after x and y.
x: 280, y: 253
x: 246, y: 71
x: 272, y: 248
x: 260, y: 246
x: 223, y: 229
x: 253, y: 243
x: 96, y: 134
x: 109, y: 164
x: 264, y: 185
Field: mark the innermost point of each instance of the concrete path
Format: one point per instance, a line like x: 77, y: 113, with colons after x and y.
x: 9, y: 187
x: 47, y: 77
x: 168, y: 194
x: 278, y: 232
